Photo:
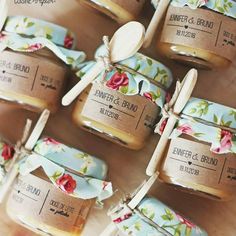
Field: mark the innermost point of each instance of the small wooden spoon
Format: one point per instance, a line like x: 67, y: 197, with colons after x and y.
x: 188, y: 85
x: 126, y: 41
x: 160, y: 11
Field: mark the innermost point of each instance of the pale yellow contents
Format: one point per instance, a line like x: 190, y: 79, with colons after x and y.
x: 198, y: 189
x: 105, y: 131
x: 112, y: 9
x: 34, y: 224
x: 30, y: 103
x: 193, y: 56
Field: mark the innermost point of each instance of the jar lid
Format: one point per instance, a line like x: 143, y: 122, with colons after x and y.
x: 71, y: 158
x: 211, y: 112
x: 208, y: 122
x: 224, y: 7
x: 145, y: 66
x: 72, y: 171
x: 152, y: 217
x: 31, y: 27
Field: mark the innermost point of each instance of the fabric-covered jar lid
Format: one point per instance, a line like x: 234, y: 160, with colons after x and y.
x: 146, y: 66
x: 225, y: 7
x: 209, y: 122
x: 71, y: 170
x: 31, y: 27
x: 154, y: 218
x: 71, y: 158
x: 211, y: 112
x: 26, y: 34
x: 138, y: 75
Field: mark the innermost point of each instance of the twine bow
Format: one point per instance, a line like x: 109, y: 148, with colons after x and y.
x: 19, y: 148
x: 168, y: 109
x: 106, y: 58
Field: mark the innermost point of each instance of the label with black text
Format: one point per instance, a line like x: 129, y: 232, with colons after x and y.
x: 200, y: 29
x: 194, y: 162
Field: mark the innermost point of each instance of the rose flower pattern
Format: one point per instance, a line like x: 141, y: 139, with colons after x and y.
x: 226, y: 142
x: 66, y: 183
x: 7, y: 152
x: 118, y: 80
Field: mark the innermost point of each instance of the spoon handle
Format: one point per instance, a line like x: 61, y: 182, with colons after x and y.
x: 188, y: 85
x: 161, y: 8
x: 161, y: 146
x: 142, y: 192
x: 84, y: 82
x: 38, y: 129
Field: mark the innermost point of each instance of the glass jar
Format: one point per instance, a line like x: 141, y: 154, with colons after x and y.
x: 33, y: 72
x: 56, y: 189
x: 123, y: 105
x: 200, y: 158
x: 200, y: 33
x: 152, y: 217
x: 120, y: 10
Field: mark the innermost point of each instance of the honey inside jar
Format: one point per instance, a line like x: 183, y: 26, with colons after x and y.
x: 124, y: 104
x: 120, y: 10
x: 199, y: 36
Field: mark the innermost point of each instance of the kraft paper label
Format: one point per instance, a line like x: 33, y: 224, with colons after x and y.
x: 134, y: 115
x: 31, y: 76
x: 133, y: 6
x: 40, y: 202
x: 194, y: 162
x: 200, y: 28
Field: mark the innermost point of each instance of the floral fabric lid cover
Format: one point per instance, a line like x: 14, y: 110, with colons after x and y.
x: 74, y: 172
x: 133, y: 75
x: 153, y: 218
x: 209, y: 122
x: 6, y: 154
x: 32, y: 27
x: 25, y: 34
x: 226, y: 7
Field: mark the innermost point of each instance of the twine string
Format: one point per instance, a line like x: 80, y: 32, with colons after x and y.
x: 168, y: 108
x: 19, y: 148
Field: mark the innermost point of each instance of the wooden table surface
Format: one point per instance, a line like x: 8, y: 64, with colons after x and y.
x: 126, y: 168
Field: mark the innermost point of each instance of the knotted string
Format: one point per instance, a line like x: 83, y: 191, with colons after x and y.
x: 19, y: 148
x: 168, y: 109
x: 106, y: 58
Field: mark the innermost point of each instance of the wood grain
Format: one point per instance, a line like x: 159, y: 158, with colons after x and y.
x: 127, y: 168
